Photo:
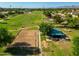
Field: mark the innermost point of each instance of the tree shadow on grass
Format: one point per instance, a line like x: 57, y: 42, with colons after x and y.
x: 3, y: 23
x: 22, y: 49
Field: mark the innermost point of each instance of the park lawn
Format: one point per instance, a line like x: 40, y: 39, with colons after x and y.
x: 72, y: 32
x: 2, y: 52
x: 61, y: 48
x: 52, y: 50
x: 23, y: 20
x: 32, y: 20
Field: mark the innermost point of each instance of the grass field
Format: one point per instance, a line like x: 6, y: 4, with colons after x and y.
x: 23, y: 20
x: 15, y: 23
x: 61, y: 48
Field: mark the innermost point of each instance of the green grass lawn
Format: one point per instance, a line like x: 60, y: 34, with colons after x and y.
x: 52, y: 50
x: 61, y: 48
x: 2, y: 52
x: 57, y: 49
x: 23, y: 20
x: 33, y: 20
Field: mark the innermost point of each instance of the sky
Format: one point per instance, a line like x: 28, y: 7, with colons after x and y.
x: 36, y: 4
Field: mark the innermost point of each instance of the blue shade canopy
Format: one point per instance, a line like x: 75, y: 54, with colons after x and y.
x: 56, y: 33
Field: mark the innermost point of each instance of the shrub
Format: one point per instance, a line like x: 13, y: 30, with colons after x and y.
x: 76, y: 46
x: 45, y: 27
x: 5, y: 37
x: 58, y: 19
x: 73, y: 22
x: 2, y: 16
x: 47, y: 13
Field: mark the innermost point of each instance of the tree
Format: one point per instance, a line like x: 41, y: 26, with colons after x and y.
x: 47, y: 13
x: 11, y: 12
x: 57, y: 19
x: 2, y: 15
x: 19, y: 12
x: 45, y: 27
x: 68, y: 15
x: 73, y: 22
x: 76, y: 46
x: 5, y: 37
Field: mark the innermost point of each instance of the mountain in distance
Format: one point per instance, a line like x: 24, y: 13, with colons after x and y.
x: 73, y: 6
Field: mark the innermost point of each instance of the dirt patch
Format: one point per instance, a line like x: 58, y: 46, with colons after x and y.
x: 25, y: 43
x: 65, y: 46
x: 27, y: 36
x: 45, y: 44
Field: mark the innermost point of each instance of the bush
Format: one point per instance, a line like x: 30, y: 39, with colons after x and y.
x: 48, y: 13
x: 73, y: 22
x: 45, y: 28
x: 58, y: 19
x: 2, y: 16
x: 5, y: 37
x: 76, y: 46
